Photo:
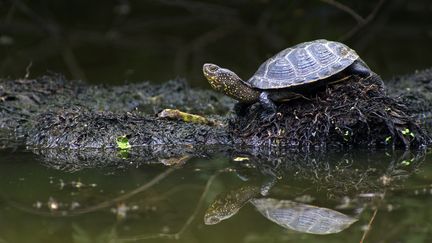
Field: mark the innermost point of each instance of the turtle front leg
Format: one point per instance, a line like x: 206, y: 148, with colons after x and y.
x: 268, y: 105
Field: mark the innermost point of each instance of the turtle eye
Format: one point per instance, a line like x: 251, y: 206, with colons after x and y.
x: 213, y: 68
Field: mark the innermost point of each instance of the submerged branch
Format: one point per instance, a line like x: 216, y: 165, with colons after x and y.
x: 188, y: 222
x: 369, y: 226
x: 99, y: 206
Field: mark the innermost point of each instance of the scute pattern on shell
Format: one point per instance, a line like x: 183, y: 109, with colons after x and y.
x: 302, y: 64
x: 302, y: 217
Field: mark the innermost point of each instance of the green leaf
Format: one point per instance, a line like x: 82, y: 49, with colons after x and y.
x: 123, y: 142
x: 388, y: 139
x: 406, y: 131
x: 405, y: 162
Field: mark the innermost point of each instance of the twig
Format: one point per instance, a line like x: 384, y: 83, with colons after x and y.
x: 186, y: 224
x: 198, y: 7
x: 174, y: 190
x: 346, y: 9
x: 199, y: 43
x: 104, y: 204
x: 361, y: 21
x: 50, y: 27
x: 369, y: 225
x: 27, y: 75
x: 366, y: 21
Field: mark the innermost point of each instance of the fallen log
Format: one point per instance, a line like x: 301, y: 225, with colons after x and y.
x: 51, y: 112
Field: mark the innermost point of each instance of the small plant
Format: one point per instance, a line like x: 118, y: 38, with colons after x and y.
x: 123, y: 142
x: 388, y: 139
x: 407, y: 132
x: 407, y: 162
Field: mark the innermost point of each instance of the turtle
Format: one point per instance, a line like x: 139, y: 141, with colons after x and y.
x: 289, y: 74
x: 303, y: 217
x: 289, y: 214
x: 228, y: 204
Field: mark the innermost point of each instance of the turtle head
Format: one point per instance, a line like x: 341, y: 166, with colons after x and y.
x: 220, y: 78
x: 227, y: 82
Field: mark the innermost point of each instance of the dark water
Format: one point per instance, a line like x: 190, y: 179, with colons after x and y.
x: 157, y: 203
x: 156, y: 40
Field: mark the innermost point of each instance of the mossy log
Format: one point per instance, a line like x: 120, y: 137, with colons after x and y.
x: 352, y: 113
x: 71, y: 126
x: 51, y: 112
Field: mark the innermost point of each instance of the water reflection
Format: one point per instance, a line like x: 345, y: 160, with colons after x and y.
x: 286, y: 213
x: 315, y: 194
x: 227, y: 205
x: 303, y: 217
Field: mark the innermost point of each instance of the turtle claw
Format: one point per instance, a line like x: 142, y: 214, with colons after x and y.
x: 268, y: 116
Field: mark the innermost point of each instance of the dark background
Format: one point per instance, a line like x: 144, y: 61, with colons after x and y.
x: 118, y: 41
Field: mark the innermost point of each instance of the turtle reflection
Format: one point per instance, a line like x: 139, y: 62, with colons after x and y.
x: 227, y: 205
x: 302, y: 217
x: 286, y: 213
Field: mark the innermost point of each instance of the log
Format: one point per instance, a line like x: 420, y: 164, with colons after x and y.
x: 51, y: 112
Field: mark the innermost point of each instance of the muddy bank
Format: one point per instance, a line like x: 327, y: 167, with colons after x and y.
x: 23, y: 98
x: 76, y: 128
x: 415, y: 91
x: 51, y: 112
x: 352, y: 113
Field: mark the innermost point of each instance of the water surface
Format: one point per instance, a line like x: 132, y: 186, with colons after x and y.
x: 387, y: 190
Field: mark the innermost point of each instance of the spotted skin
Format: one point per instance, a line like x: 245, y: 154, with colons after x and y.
x: 227, y: 82
x: 228, y: 204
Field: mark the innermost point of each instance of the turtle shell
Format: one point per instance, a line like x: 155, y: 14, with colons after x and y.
x: 303, y: 63
x: 303, y: 217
